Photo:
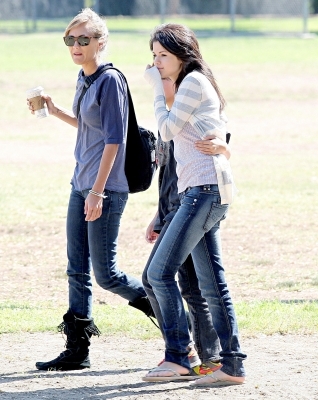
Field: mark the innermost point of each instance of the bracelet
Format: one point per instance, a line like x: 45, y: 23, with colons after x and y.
x: 102, y: 195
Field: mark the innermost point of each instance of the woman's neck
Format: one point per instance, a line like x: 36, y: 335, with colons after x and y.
x: 90, y: 68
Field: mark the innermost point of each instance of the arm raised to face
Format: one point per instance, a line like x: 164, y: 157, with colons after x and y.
x: 169, y: 89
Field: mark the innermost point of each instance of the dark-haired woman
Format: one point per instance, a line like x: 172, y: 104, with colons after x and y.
x: 205, y: 186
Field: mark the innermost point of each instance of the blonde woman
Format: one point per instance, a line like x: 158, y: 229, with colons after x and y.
x: 99, y: 190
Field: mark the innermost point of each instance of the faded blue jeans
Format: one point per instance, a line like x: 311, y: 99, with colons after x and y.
x: 95, y: 244
x: 204, y: 335
x: 195, y: 229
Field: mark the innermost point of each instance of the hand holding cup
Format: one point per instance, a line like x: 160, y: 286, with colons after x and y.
x: 36, y: 102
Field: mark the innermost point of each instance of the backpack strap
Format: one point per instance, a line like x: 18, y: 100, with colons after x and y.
x: 87, y: 83
x: 91, y: 78
x: 132, y: 120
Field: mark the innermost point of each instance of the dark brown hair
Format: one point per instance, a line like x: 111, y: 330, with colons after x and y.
x: 181, y: 41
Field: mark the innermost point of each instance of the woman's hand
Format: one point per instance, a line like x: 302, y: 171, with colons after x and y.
x: 93, y: 207
x: 151, y: 235
x: 152, y: 75
x: 52, y: 109
x: 212, y: 145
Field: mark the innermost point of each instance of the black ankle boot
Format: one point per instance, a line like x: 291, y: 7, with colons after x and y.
x: 143, y: 304
x: 76, y: 356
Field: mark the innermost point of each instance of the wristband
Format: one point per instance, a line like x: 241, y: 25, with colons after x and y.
x: 102, y: 195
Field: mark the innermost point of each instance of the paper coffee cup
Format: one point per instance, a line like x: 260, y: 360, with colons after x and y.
x: 35, y: 98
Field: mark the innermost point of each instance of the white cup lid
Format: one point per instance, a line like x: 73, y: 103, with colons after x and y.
x: 35, y: 91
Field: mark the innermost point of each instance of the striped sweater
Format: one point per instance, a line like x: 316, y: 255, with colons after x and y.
x: 193, y: 116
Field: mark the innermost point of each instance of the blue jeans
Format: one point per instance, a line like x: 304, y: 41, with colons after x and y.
x: 95, y: 244
x: 195, y: 229
x: 204, y: 335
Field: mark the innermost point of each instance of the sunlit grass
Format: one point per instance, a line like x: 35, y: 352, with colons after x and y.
x: 259, y: 317
x: 119, y: 320
x: 127, y: 50
x: 266, y: 317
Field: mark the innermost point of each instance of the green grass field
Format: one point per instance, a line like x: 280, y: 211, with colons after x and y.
x: 270, y: 237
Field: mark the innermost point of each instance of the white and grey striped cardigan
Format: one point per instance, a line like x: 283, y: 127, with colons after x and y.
x: 194, y: 115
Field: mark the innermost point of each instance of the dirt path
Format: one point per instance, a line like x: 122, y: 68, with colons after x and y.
x: 278, y: 367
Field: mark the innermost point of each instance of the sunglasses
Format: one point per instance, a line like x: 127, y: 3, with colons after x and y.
x: 81, y: 40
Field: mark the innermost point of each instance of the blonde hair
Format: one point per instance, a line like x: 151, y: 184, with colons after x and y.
x: 96, y: 23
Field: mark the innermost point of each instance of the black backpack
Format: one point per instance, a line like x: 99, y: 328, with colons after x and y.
x: 140, y: 162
